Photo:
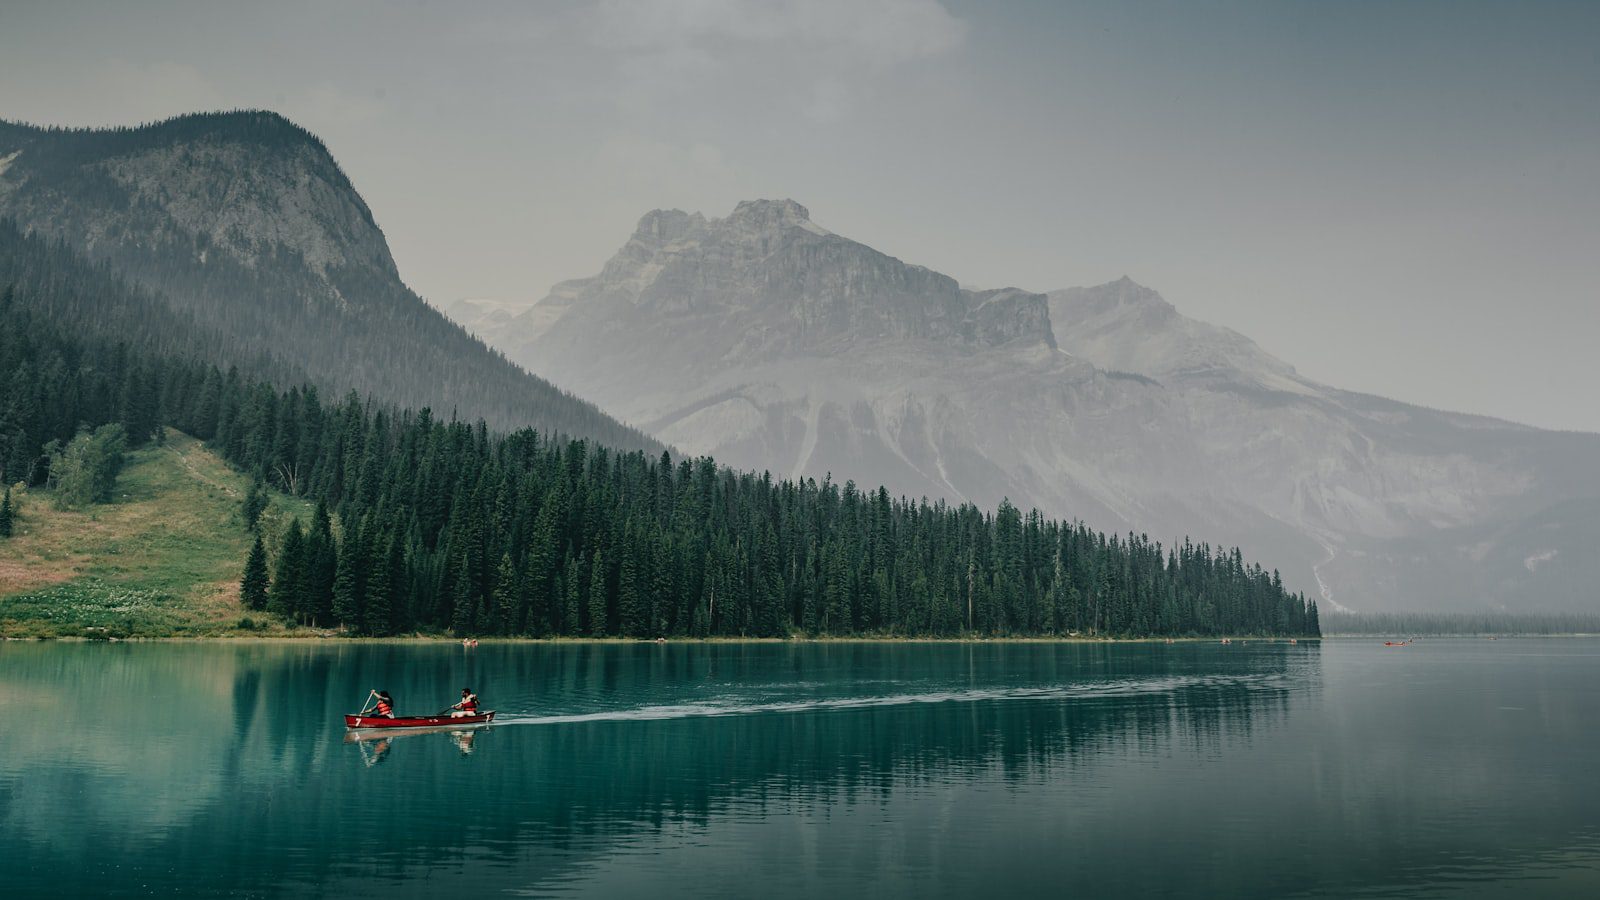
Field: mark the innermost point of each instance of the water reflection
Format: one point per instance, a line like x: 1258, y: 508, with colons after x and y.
x: 669, y: 770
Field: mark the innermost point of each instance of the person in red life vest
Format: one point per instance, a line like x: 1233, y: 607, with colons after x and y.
x: 468, y: 705
x: 384, y: 708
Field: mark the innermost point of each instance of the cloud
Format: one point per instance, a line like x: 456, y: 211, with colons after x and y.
x: 872, y: 31
x: 815, y: 58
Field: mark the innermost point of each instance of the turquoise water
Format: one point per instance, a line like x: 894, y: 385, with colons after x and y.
x: 1447, y: 768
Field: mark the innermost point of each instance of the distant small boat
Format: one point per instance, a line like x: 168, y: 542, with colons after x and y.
x: 356, y: 721
x: 1395, y: 643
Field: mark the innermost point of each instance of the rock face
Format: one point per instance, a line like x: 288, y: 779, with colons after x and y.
x: 771, y: 343
x: 249, y: 185
x: 246, y: 222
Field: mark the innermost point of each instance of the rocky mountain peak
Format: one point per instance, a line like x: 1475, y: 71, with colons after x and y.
x: 1126, y: 327
x: 1123, y: 295
x: 792, y: 283
x: 768, y: 213
x: 663, y: 226
x: 249, y: 184
x: 1006, y: 314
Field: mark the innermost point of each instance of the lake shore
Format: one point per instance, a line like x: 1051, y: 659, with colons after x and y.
x: 300, y: 637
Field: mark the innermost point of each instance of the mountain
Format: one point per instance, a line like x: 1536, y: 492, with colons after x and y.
x: 772, y: 343
x: 245, y: 222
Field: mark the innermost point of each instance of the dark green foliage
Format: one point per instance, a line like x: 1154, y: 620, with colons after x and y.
x: 288, y: 595
x: 502, y: 616
x: 350, y: 582
x: 572, y: 586
x: 444, y: 524
x: 322, y: 567
x: 6, y: 514
x: 384, y: 588
x: 599, y: 597
x: 253, y: 587
x: 85, y: 471
x: 255, y: 503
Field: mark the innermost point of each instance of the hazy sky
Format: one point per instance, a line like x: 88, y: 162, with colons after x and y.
x: 1401, y: 198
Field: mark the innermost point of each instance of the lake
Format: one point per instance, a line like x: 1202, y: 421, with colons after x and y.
x: 1446, y: 768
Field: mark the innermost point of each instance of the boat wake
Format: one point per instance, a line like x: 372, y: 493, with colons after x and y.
x: 745, y: 707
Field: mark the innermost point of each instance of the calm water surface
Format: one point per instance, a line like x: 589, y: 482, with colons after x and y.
x: 1447, y: 768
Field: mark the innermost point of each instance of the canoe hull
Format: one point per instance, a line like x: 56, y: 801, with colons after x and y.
x: 417, y: 721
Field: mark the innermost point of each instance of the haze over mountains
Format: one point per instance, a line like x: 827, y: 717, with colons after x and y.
x: 768, y: 341
x: 772, y: 343
x: 245, y: 222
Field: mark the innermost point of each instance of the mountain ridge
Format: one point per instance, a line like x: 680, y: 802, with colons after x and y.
x: 245, y: 221
x: 1104, y: 403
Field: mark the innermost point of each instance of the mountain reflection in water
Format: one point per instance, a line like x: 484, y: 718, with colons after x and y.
x: 794, y: 769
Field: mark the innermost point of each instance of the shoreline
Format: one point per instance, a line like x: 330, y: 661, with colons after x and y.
x: 401, y: 640
x: 426, y: 639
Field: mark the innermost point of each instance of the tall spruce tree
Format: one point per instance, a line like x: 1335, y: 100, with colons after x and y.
x: 572, y: 584
x: 255, y: 503
x: 352, y: 569
x: 599, y: 600
x: 254, y: 585
x: 322, y: 566
x: 287, y: 596
x: 503, y: 616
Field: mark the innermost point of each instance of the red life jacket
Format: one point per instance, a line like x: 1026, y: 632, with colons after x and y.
x: 470, y: 703
x: 384, y: 709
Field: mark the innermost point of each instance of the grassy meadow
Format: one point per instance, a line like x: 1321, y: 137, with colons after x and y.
x: 163, y: 559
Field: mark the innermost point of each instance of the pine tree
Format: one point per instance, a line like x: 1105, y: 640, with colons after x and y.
x: 6, y: 515
x: 253, y: 587
x: 463, y: 610
x: 383, y: 587
x: 573, y: 606
x: 255, y: 503
x: 598, y: 605
x: 632, y: 604
x: 349, y: 582
x: 504, y: 608
x: 288, y: 583
x: 322, y: 566
x: 541, y: 566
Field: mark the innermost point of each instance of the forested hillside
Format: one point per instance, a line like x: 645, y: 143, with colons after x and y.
x: 245, y: 223
x: 430, y: 524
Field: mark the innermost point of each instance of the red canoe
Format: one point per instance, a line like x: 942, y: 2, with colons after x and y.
x: 416, y: 721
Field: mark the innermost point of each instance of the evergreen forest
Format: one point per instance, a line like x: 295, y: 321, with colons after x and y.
x: 427, y: 524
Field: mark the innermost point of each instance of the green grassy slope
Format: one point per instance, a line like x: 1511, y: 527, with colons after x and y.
x: 163, y: 559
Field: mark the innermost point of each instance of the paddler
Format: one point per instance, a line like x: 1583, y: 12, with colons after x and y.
x: 468, y: 705
x: 384, y: 708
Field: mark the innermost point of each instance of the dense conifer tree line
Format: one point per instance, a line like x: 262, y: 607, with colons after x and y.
x: 429, y: 524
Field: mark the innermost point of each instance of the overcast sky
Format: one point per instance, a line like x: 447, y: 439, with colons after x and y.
x: 1400, y: 198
